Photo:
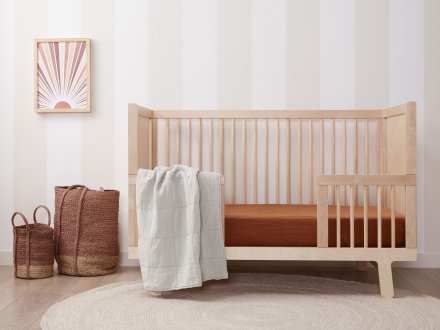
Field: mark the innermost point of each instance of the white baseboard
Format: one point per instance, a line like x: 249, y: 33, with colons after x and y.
x: 425, y: 260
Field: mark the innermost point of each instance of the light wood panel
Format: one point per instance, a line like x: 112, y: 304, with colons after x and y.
x: 266, y: 161
x: 272, y: 114
x: 233, y: 174
x: 277, y: 161
x: 288, y: 165
x: 322, y: 217
x: 254, y: 165
x: 244, y: 161
x: 298, y: 157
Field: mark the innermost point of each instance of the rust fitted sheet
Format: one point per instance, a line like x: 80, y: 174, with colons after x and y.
x: 295, y: 225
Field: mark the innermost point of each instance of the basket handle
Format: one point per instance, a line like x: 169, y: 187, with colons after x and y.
x: 58, y: 221
x: 47, y: 210
x: 22, y: 216
x: 28, y: 255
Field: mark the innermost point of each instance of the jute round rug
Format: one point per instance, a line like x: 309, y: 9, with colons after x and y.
x: 247, y: 301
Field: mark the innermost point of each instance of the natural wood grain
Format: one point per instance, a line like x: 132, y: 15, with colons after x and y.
x: 178, y: 141
x: 200, y: 144
x: 322, y: 217
x: 277, y: 161
x: 344, y: 155
x: 366, y: 216
x: 338, y: 215
x: 403, y: 180
x: 210, y: 144
x: 254, y: 165
x: 289, y: 175
x: 167, y: 153
x: 393, y: 219
x: 222, y: 146
x: 233, y: 174
x: 310, y: 162
x: 333, y: 146
x: 271, y: 114
x: 244, y: 161
x: 266, y: 161
x: 379, y: 216
x: 352, y: 204
x: 190, y: 142
x: 355, y: 157
x: 299, y: 174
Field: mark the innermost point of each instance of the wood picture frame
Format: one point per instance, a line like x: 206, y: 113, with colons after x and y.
x: 62, y: 82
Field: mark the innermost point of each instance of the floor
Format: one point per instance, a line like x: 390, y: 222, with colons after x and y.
x: 23, y: 302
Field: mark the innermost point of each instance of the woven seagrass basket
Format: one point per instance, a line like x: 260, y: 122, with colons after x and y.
x: 86, y: 231
x: 33, y: 247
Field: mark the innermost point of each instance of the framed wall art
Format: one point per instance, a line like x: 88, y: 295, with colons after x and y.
x: 62, y: 75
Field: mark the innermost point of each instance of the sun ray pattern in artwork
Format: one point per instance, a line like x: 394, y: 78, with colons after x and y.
x: 62, y: 75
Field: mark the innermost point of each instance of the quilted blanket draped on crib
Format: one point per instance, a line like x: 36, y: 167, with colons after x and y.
x: 179, y: 219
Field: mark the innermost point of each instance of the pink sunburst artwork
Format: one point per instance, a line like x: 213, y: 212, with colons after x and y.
x: 62, y: 73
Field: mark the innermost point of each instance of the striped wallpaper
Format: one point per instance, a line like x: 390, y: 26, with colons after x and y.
x: 209, y: 54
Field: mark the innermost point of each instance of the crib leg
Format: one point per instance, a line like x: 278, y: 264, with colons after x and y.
x: 361, y: 266
x: 385, y: 279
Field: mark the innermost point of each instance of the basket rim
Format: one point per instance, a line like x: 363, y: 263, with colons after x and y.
x: 105, y: 190
x: 33, y: 226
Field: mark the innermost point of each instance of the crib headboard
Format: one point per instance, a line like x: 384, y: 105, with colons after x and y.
x: 274, y: 157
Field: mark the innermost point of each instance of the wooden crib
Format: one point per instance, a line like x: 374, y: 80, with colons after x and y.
x: 349, y: 176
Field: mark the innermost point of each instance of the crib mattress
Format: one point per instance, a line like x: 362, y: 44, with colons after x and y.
x: 295, y: 226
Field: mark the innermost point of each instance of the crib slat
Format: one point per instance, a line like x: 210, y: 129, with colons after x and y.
x: 393, y: 218
x: 365, y: 216
x: 211, y: 153
x: 322, y: 146
x: 222, y: 147
x: 233, y: 160
x: 178, y: 141
x: 338, y: 215
x: 243, y: 173
x: 322, y: 216
x: 381, y: 149
x: 355, y: 156
x: 277, y: 161
x: 289, y: 201
x: 200, y: 156
x: 367, y: 143
x: 367, y: 155
x: 351, y: 216
x: 167, y: 124
x: 298, y: 177
x: 266, y: 163
x: 379, y: 216
x: 154, y: 143
x: 190, y: 141
x: 254, y: 169
x: 150, y: 151
x: 344, y: 155
x: 334, y: 153
x: 311, y: 161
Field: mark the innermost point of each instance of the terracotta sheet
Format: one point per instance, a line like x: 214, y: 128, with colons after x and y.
x: 295, y: 225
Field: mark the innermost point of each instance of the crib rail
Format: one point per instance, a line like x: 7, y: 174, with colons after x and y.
x: 266, y: 156
x: 379, y: 182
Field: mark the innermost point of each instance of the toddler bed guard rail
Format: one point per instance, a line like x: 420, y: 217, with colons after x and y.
x: 345, y: 158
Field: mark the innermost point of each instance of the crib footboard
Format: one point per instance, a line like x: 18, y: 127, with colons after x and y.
x: 396, y: 192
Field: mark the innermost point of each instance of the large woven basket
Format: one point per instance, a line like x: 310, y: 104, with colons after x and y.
x: 33, y: 247
x: 86, y: 231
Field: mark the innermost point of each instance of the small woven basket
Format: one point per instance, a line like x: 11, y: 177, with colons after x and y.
x: 33, y: 247
x: 86, y: 231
